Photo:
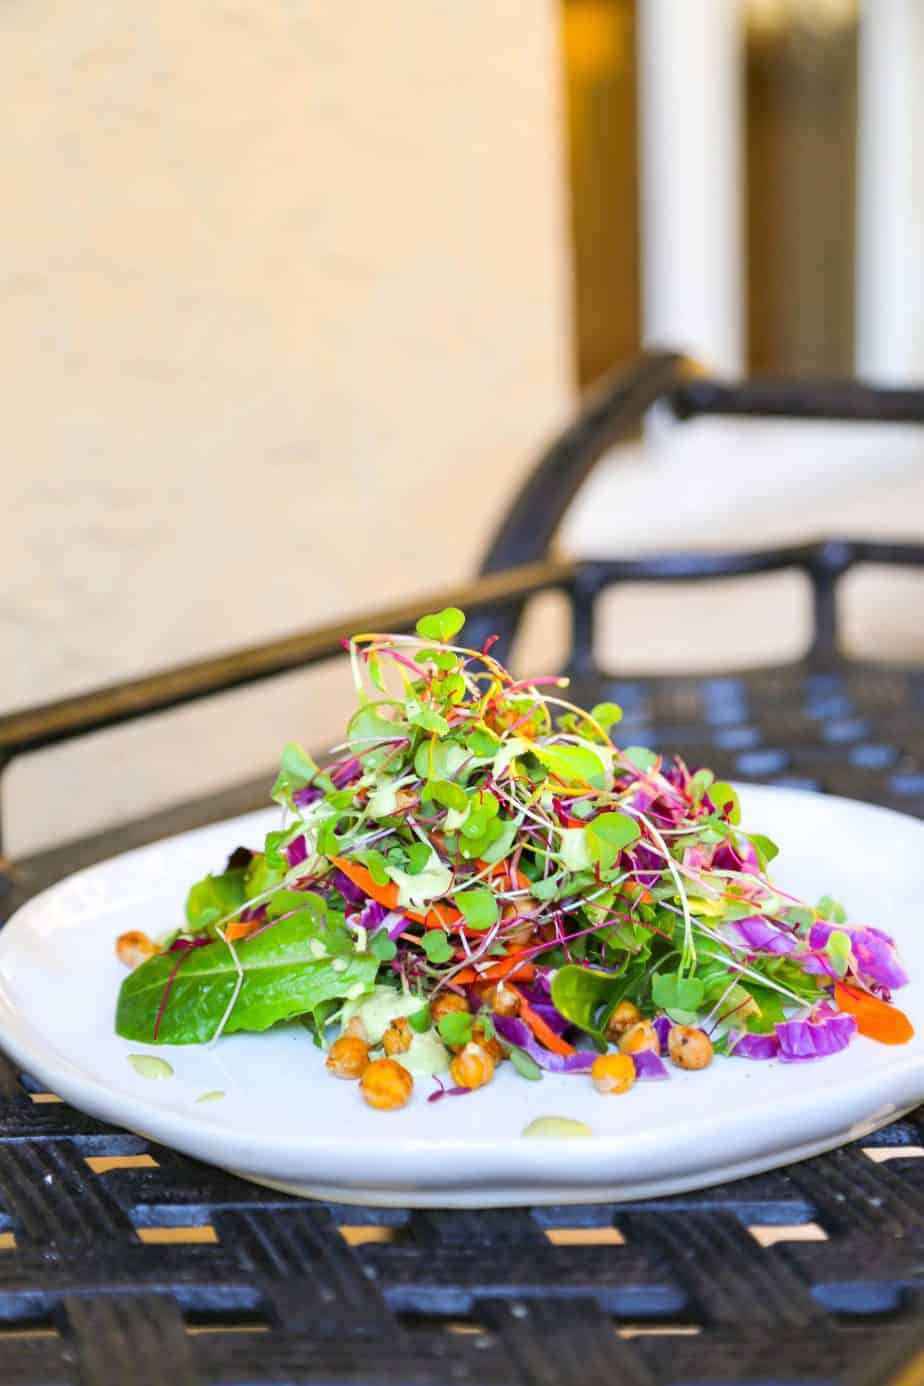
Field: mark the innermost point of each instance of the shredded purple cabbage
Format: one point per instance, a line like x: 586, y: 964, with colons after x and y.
x: 307, y: 795
x: 350, y: 891
x: 662, y: 1026
x: 646, y: 865
x: 296, y: 851
x: 517, y: 1032
x: 649, y: 1065
x: 760, y: 936
x: 370, y: 916
x: 794, y: 1041
x: 814, y: 1039
x: 873, y: 950
x: 740, y: 858
x: 745, y: 1046
x: 346, y: 772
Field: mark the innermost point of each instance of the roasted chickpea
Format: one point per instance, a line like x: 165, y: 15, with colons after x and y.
x: 386, y: 1085
x: 641, y: 1035
x: 490, y: 1046
x: 348, y: 1057
x: 689, y: 1047
x: 624, y: 1016
x: 445, y: 1003
x: 524, y: 933
x: 398, y: 1036
x: 134, y: 948
x: 504, y: 1000
x: 613, y: 1073
x: 472, y: 1068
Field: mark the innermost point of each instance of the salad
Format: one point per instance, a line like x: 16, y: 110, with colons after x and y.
x: 482, y: 876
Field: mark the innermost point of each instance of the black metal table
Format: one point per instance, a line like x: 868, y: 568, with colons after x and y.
x: 125, y: 1264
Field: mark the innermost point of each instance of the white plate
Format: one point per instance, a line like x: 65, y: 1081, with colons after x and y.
x: 286, y: 1123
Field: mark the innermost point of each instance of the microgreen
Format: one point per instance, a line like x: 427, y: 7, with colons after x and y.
x: 455, y: 1028
x: 478, y: 906
x: 443, y: 626
x: 478, y: 827
x: 436, y: 946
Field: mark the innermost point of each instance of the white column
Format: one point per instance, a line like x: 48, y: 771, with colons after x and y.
x: 690, y: 119
x: 890, y: 211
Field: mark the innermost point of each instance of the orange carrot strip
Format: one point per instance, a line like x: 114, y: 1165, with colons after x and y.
x: 543, y: 1033
x: 876, y: 1019
x: 386, y: 895
x: 498, y: 970
x: 437, y: 917
x: 239, y: 929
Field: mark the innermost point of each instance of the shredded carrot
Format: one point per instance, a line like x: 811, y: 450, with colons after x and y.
x: 876, y: 1019
x: 543, y: 1033
x: 240, y: 928
x: 386, y: 895
x: 498, y: 970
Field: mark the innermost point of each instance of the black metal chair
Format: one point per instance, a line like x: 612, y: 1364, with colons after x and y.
x: 535, y: 1295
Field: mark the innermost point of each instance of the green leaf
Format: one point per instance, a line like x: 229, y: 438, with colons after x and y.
x: 800, y: 916
x: 765, y: 848
x: 607, y: 714
x: 418, y: 857
x: 449, y: 689
x: 420, y: 1021
x: 525, y: 1064
x: 447, y: 793
x: 442, y: 760
x: 608, y: 834
x: 572, y: 764
x: 641, y: 758
x: 574, y: 849
x: 443, y: 659
x: 260, y: 876
x: 455, y: 1028
x: 831, y: 910
x: 482, y: 742
x: 422, y: 715
x: 770, y: 1011
x: 839, y: 951
x: 297, y: 766
x: 375, y: 864
x: 677, y: 995
x: 287, y: 901
x: 699, y: 785
x: 478, y: 906
x: 216, y: 897
x: 382, y: 947
x: 546, y: 889
x: 283, y: 978
x: 366, y: 727
x: 722, y: 795
x: 500, y: 847
x: 436, y: 946
x: 375, y: 671
x: 442, y: 626
x: 584, y: 996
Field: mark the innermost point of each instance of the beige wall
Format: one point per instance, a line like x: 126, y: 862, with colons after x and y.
x: 283, y: 309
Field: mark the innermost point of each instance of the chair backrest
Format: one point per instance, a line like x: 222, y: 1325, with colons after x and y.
x: 616, y: 410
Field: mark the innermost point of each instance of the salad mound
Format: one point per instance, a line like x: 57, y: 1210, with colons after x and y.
x: 483, y: 876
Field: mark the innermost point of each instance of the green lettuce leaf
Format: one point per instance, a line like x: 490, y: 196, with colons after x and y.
x: 287, y: 973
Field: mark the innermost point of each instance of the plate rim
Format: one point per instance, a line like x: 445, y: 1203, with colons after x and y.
x: 857, y: 1099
